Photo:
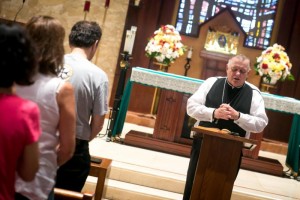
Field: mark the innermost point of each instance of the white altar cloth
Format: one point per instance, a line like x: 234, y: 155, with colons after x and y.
x: 190, y: 85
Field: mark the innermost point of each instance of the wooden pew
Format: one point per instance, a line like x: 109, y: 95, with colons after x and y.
x: 100, y: 170
x: 62, y: 194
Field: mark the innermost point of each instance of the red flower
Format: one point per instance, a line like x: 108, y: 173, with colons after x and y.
x: 276, y: 57
x: 265, y: 66
x: 269, y: 51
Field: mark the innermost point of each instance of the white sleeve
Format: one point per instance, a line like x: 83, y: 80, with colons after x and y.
x: 257, y: 120
x: 196, y: 103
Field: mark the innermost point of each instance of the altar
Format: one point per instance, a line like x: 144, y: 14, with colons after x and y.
x: 182, y: 87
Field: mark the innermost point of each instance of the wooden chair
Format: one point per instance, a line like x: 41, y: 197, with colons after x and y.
x: 62, y: 194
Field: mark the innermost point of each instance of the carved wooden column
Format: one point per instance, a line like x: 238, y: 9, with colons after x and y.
x: 168, y: 127
x: 170, y: 117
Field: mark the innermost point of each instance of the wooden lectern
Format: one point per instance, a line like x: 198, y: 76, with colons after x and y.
x: 218, y: 164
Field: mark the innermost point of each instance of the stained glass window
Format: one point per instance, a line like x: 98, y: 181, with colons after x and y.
x: 256, y: 17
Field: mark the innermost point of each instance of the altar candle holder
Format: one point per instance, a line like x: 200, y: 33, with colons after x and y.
x: 187, y: 66
x: 114, y: 112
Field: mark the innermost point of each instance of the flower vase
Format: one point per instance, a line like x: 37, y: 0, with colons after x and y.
x: 162, y: 66
x: 267, y: 84
x: 273, y: 81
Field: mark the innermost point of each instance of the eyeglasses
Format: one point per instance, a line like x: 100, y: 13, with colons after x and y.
x: 235, y: 69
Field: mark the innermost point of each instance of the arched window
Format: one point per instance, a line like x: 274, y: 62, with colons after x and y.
x: 256, y: 17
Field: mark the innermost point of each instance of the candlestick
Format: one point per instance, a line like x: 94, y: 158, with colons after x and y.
x: 187, y: 66
x: 190, y: 53
x: 105, y: 13
x: 111, y: 131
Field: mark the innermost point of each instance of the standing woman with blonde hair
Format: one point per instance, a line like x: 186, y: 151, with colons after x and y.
x: 56, y: 101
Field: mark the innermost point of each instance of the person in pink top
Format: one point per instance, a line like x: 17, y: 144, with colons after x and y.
x: 19, y: 118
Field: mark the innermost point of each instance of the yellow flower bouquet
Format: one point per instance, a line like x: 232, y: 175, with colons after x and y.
x: 274, y: 64
x: 165, y: 46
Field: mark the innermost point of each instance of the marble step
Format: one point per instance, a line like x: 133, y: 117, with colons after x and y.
x: 143, y: 174
x: 148, y: 177
x: 118, y: 190
x: 130, y: 181
x: 139, y: 186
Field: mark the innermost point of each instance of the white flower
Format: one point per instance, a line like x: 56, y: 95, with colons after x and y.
x: 165, y: 46
x: 274, y: 63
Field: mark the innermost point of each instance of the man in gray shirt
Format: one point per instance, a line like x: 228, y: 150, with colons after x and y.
x: 91, y: 93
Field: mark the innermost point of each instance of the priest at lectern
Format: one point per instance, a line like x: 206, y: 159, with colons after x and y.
x: 229, y: 103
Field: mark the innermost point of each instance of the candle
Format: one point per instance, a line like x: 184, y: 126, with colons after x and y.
x: 136, y: 2
x: 190, y: 53
x: 133, y: 31
x: 87, y: 5
x: 107, y: 3
x: 127, y: 41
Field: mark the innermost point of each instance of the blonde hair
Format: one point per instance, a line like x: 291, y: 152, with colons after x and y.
x: 48, y: 35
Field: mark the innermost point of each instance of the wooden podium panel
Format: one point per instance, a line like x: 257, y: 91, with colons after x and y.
x: 218, y: 164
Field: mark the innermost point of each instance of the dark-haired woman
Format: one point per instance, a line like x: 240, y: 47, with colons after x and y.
x: 19, y: 118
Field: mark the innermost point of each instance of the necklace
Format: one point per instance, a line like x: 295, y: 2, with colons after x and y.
x: 224, y: 90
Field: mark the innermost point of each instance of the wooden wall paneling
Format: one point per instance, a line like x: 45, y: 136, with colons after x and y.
x: 142, y: 96
x: 147, y: 17
x: 289, y: 88
x: 279, y: 125
x: 214, y: 64
x: 137, y: 16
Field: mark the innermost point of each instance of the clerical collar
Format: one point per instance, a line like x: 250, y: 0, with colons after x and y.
x: 232, y: 87
x: 230, y: 92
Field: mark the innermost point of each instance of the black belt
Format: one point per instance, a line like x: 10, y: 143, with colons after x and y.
x: 80, y: 142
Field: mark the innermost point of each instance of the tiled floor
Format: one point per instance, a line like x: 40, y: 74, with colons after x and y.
x: 260, y: 185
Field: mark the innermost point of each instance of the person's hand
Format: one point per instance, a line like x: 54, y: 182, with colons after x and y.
x: 226, y: 112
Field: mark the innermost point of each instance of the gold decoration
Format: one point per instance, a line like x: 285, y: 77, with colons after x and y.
x: 222, y: 40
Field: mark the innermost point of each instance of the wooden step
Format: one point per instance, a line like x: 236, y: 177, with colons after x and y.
x: 144, y: 140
